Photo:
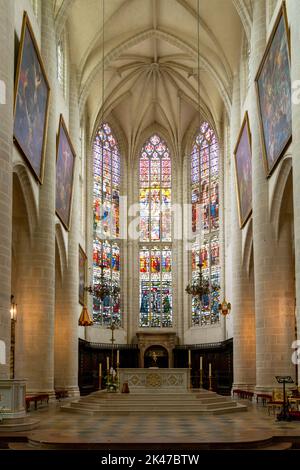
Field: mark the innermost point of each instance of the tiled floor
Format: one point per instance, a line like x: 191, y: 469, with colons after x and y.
x: 253, y: 425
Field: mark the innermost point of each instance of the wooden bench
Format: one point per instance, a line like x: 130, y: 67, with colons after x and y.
x: 264, y: 397
x: 35, y: 399
x: 61, y: 394
x: 243, y: 394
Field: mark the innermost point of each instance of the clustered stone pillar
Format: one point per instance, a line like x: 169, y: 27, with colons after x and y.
x: 66, y: 319
x: 36, y: 293
x: 295, y: 76
x: 242, y: 290
x: 6, y: 130
x: 273, y: 307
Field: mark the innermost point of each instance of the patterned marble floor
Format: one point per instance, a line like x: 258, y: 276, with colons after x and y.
x: 253, y: 425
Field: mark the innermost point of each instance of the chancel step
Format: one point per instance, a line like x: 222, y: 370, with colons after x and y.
x: 202, y: 402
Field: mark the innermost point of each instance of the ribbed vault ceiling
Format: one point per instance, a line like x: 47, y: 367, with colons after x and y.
x: 151, y: 59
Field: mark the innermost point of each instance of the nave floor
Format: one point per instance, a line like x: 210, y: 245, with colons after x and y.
x: 250, y: 429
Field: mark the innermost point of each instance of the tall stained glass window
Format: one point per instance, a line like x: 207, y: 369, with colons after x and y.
x: 205, y: 221
x: 155, y: 234
x: 106, y: 250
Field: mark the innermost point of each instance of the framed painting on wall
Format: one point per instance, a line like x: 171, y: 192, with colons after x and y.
x: 65, y: 165
x: 243, y: 171
x: 82, y: 274
x: 31, y: 102
x: 273, y: 85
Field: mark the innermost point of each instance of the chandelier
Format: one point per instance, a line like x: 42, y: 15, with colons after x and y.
x: 104, y: 287
x: 199, y: 286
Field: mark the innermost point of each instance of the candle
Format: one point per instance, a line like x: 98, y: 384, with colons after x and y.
x: 100, y: 369
x: 209, y: 370
x: 201, y: 362
x: 190, y: 359
x: 107, y: 363
x: 118, y: 357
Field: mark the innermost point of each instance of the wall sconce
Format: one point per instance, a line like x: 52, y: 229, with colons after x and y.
x: 13, y: 309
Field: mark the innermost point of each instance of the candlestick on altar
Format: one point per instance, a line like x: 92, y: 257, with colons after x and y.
x: 209, y: 376
x: 107, y: 364
x: 201, y: 372
x: 189, y: 359
x: 100, y: 376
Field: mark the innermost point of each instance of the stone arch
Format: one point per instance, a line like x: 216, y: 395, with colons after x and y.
x: 192, y: 131
x: 247, y: 249
x: 283, y: 179
x: 244, y: 11
x: 116, y: 129
x: 154, y: 128
x: 60, y: 244
x: 29, y: 196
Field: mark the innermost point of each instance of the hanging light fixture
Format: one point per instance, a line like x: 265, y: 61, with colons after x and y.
x: 103, y: 287
x: 199, y: 286
x: 85, y: 318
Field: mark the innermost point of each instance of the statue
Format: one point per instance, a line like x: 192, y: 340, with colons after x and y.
x: 154, y: 358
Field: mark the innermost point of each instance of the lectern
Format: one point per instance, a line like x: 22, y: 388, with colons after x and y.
x: 284, y: 379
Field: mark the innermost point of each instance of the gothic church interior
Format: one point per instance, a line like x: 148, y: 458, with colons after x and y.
x: 149, y: 154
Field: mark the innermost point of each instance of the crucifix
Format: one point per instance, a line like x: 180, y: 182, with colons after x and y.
x: 112, y: 327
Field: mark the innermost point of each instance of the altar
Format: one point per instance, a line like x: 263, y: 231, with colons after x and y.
x: 155, y: 379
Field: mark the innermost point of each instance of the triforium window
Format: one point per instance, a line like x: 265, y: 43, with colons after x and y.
x: 155, y: 234
x: 205, y: 222
x: 106, y: 250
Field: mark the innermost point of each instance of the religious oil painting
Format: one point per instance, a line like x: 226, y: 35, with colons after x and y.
x: 82, y: 274
x: 273, y: 84
x: 65, y: 164
x: 243, y: 171
x: 32, y: 93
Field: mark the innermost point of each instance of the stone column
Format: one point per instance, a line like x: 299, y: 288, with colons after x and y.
x: 243, y: 315
x: 36, y: 304
x: 67, y: 310
x: 293, y: 14
x: 273, y: 309
x: 6, y: 143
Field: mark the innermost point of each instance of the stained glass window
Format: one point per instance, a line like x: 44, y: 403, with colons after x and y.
x: 155, y: 234
x: 106, y: 251
x: 205, y: 221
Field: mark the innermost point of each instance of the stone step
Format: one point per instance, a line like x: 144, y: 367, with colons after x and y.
x: 278, y: 446
x: 145, y: 402
x: 143, y: 396
x: 21, y: 424
x: 151, y: 410
x: 153, y: 406
x: 155, y: 399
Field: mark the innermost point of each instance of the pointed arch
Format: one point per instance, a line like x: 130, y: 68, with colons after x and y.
x: 204, y: 194
x: 29, y: 196
x: 106, y: 211
x: 62, y: 256
x: 155, y: 251
x: 277, y: 195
